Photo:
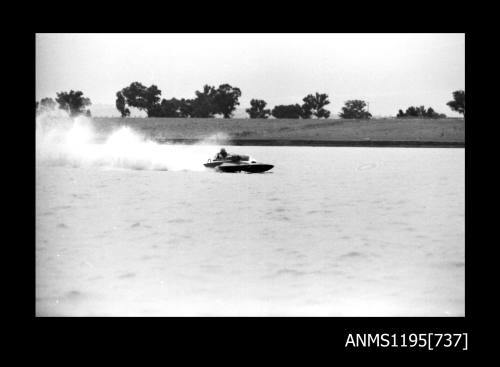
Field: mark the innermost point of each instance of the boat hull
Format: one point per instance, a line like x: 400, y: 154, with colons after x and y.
x: 250, y: 168
x: 212, y: 164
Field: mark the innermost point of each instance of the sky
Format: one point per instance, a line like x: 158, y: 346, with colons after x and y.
x: 390, y: 71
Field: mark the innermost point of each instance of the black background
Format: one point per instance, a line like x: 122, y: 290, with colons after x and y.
x: 238, y: 340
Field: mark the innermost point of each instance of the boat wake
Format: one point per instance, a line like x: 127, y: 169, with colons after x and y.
x: 65, y: 141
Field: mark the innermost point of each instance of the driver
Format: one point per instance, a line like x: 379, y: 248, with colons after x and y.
x: 222, y: 154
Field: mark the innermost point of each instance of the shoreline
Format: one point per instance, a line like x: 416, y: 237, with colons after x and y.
x: 320, y: 143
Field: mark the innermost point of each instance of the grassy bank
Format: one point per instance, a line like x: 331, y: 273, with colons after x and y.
x: 384, y: 132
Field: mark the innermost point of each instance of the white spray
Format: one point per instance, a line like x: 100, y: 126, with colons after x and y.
x: 61, y: 140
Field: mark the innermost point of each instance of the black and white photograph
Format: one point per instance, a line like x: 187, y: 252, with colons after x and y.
x: 250, y: 174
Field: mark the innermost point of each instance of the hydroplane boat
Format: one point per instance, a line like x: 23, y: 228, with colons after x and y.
x: 225, y: 162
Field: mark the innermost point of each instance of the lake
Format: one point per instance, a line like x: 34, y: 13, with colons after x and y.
x: 327, y: 232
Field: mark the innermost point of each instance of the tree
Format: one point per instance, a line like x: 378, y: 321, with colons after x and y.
x: 73, y: 102
x: 416, y: 111
x: 170, y: 107
x: 431, y: 113
x: 420, y: 112
x: 411, y: 112
x: 208, y: 102
x: 154, y: 110
x: 121, y: 104
x: 313, y: 105
x: 48, y: 103
x: 134, y: 95
x: 293, y: 111
x: 45, y: 104
x: 185, y: 107
x: 203, y: 105
x: 226, y: 99
x: 142, y: 97
x: 305, y: 111
x: 257, y: 109
x: 355, y: 109
x: 458, y: 103
x: 152, y: 97
x: 211, y: 101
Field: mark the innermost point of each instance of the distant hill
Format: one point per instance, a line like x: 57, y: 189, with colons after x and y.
x: 392, y: 130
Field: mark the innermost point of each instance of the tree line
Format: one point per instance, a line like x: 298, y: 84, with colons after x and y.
x: 210, y: 101
x: 222, y: 101
x: 73, y: 102
x: 420, y: 111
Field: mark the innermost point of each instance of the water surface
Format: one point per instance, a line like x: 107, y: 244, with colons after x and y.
x: 329, y: 231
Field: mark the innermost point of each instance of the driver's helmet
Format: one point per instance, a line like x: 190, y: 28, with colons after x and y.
x: 223, y: 150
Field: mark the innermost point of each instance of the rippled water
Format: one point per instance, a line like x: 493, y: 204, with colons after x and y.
x: 329, y: 231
